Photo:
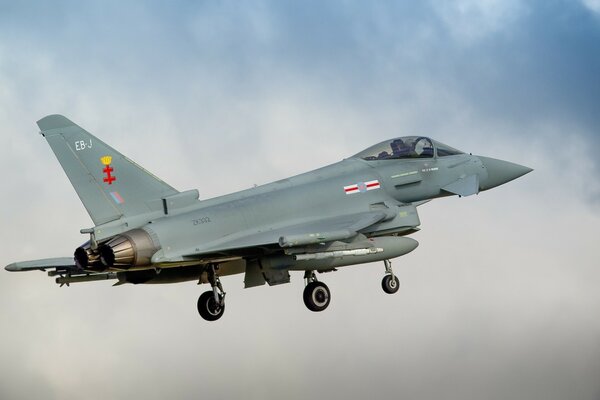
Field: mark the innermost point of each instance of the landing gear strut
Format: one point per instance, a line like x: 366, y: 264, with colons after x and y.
x: 211, y: 304
x: 316, y: 294
x: 390, y: 283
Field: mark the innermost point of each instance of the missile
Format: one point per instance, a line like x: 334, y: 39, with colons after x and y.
x: 85, y: 278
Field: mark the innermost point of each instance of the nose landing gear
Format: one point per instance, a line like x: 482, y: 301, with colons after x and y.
x: 390, y: 283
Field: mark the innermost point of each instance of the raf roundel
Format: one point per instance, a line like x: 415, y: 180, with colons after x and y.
x: 362, y: 187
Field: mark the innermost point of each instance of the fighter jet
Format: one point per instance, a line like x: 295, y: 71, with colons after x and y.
x: 358, y: 210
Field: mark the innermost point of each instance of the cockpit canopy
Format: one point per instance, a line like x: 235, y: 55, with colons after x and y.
x: 407, y: 147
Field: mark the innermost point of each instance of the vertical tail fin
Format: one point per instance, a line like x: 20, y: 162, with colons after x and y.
x: 109, y: 184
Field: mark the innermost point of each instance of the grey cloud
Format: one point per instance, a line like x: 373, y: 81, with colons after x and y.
x: 592, y: 5
x: 499, y: 300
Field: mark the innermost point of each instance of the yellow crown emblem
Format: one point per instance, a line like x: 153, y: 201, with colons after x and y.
x: 106, y: 160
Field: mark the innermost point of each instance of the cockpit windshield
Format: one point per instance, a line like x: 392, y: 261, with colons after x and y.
x: 407, y: 147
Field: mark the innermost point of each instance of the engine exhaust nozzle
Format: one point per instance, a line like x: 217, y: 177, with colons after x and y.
x: 132, y: 248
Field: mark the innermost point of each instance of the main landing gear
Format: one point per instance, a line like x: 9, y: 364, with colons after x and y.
x: 211, y: 304
x: 316, y: 294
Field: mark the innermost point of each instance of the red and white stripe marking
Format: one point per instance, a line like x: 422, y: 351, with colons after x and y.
x: 362, y: 187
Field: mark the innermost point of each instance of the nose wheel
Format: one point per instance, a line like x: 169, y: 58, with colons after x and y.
x: 390, y: 283
x: 316, y: 294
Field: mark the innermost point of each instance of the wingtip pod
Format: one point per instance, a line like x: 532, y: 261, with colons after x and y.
x: 54, y: 121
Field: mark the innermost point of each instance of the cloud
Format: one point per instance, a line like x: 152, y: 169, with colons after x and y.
x: 499, y: 300
x: 592, y: 5
x: 470, y: 21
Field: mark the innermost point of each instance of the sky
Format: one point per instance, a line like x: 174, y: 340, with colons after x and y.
x: 500, y: 300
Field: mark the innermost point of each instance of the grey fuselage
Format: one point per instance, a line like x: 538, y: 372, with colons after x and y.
x: 355, y: 211
x: 310, y: 196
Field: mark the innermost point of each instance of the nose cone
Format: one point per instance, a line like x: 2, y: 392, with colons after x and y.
x: 500, y: 172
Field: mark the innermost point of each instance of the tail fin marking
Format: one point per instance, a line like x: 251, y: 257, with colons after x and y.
x: 109, y: 184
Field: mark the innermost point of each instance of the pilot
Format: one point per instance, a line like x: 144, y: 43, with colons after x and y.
x: 399, y: 148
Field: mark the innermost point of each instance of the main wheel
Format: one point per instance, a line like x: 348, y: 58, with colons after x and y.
x: 390, y: 285
x: 316, y: 296
x: 208, y: 308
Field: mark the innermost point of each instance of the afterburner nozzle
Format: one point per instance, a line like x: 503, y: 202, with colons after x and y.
x: 132, y: 248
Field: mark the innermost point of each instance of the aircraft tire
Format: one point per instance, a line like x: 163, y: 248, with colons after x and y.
x: 389, y: 285
x: 316, y: 296
x: 208, y: 308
